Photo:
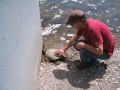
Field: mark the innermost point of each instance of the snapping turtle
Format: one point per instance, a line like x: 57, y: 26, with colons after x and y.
x: 51, y: 56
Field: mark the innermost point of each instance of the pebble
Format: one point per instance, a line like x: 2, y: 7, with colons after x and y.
x: 75, y: 53
x: 71, y: 35
x: 67, y: 41
x: 118, y: 88
x: 62, y: 38
x: 41, y: 68
x: 64, y: 34
x: 119, y: 65
x: 93, y: 83
x: 68, y: 26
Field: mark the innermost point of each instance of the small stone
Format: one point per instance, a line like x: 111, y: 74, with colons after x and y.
x: 75, y: 53
x: 57, y: 62
x: 119, y: 65
x: 118, y: 88
x: 3, y: 38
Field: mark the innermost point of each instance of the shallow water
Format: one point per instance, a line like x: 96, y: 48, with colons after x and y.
x: 54, y: 14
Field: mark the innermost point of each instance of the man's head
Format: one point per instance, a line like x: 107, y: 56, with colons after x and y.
x: 76, y: 15
x: 77, y: 19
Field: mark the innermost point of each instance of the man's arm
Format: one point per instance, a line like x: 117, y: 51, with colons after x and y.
x: 97, y: 50
x: 75, y: 37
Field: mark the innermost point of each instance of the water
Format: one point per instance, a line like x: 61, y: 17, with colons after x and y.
x: 55, y: 12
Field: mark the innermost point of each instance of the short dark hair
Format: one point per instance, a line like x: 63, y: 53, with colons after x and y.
x: 76, y: 15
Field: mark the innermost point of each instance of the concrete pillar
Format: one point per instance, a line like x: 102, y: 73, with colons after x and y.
x: 20, y: 44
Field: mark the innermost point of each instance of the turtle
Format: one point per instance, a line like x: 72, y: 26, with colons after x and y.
x: 51, y: 56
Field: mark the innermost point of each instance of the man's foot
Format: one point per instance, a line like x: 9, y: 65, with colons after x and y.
x: 104, y: 64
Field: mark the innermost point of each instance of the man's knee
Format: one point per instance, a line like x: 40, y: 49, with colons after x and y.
x: 75, y: 44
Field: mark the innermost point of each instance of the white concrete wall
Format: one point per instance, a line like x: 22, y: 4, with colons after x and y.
x: 20, y: 44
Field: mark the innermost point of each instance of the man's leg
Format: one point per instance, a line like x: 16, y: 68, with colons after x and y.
x: 87, y: 56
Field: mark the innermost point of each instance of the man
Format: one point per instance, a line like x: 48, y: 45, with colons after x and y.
x: 98, y: 44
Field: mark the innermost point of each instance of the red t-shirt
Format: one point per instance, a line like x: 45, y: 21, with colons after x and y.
x: 98, y: 33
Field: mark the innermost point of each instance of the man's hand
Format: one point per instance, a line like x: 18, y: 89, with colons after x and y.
x: 60, y: 51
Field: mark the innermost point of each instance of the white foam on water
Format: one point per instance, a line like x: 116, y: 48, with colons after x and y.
x: 53, y: 7
x: 62, y: 38
x: 102, y: 1
x: 80, y: 2
x: 64, y: 1
x: 113, y: 9
x: 88, y: 12
x: 49, y: 29
x: 96, y: 14
x: 57, y: 16
x: 47, y: 10
x: 70, y: 35
x: 116, y: 19
x: 108, y: 21
x: 99, y: 4
x: 119, y: 27
x: 42, y: 0
x: 107, y: 11
x: 92, y: 5
x: 95, y: 8
x: 61, y: 11
x: 74, y: 0
x: 117, y: 30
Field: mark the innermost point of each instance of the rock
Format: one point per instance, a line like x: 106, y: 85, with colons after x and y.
x: 118, y: 88
x: 57, y: 62
x: 119, y: 65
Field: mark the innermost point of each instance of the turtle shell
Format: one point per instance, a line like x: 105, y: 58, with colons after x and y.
x: 50, y: 54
